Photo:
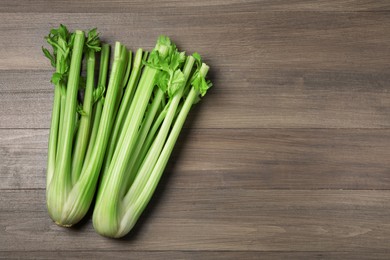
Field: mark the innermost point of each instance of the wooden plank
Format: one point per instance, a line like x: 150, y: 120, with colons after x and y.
x: 215, y: 219
x: 270, y: 99
x: 23, y: 156
x: 204, y: 255
x: 233, y: 158
x: 26, y: 99
x: 276, y: 73
x: 231, y: 41
x: 204, y: 6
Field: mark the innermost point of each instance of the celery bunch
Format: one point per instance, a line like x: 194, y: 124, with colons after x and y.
x: 124, y: 132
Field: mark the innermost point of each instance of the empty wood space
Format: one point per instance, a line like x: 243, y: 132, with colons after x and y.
x: 286, y: 157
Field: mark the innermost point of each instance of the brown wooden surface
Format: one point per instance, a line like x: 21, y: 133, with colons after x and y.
x: 287, y: 157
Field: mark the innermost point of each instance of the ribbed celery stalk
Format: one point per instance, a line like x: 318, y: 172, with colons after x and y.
x: 124, y: 107
x: 128, y: 69
x: 143, y: 132
x: 84, y: 130
x: 99, y: 91
x: 123, y: 84
x: 81, y: 195
x: 105, y: 209
x: 116, y: 168
x: 58, y: 103
x: 135, y: 204
x: 154, y: 151
x: 62, y: 113
x: 107, y: 217
x: 61, y: 182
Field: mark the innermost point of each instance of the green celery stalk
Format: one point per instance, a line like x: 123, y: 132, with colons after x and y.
x: 143, y: 132
x: 62, y: 113
x: 120, y: 155
x: 53, y: 135
x: 108, y: 211
x: 107, y: 223
x: 124, y: 107
x: 83, y: 132
x: 149, y: 161
x: 58, y: 106
x: 81, y: 195
x: 61, y: 183
x: 123, y: 84
x: 102, y: 81
x: 128, y: 69
x: 135, y: 207
x: 149, y: 140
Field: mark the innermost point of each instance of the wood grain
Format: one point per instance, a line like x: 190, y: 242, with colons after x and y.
x: 216, y: 219
x: 287, y: 157
x: 269, y: 99
x: 188, y: 7
x: 277, y: 73
x: 204, y: 255
x: 303, y: 159
x: 330, y: 41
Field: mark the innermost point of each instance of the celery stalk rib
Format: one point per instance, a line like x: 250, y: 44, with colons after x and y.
x: 61, y: 183
x: 85, y: 121
x: 82, y: 193
x: 104, y: 203
x: 135, y: 209
x: 143, y: 132
x: 155, y: 150
x: 102, y: 81
x: 107, y: 214
x: 124, y: 107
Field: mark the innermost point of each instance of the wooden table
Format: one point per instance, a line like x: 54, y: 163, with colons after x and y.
x: 288, y: 156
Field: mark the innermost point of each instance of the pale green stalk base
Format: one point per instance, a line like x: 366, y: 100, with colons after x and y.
x: 115, y: 172
x: 72, y: 205
x: 113, y: 177
x: 110, y: 209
